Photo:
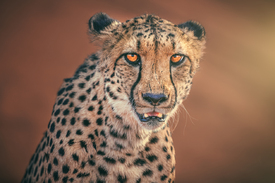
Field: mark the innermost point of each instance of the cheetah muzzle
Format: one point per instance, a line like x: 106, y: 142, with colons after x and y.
x: 110, y: 120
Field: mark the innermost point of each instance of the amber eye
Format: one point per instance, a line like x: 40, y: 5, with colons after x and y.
x: 132, y: 57
x: 176, y: 58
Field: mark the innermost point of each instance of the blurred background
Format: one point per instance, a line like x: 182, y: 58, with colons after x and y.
x: 228, y: 136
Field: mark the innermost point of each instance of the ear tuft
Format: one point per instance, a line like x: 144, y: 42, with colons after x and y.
x: 99, y: 22
x: 196, y: 27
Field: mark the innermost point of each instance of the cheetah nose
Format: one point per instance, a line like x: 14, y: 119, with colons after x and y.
x: 154, y: 99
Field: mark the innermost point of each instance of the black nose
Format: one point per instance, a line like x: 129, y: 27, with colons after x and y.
x: 155, y: 99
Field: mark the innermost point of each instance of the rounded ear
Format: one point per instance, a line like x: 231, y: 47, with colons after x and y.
x: 194, y: 26
x: 101, y: 22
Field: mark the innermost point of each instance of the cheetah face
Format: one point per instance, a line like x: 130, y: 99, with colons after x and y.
x: 149, y: 65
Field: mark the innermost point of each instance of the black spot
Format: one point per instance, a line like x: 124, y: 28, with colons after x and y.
x: 66, y: 112
x: 86, y: 122
x: 55, y: 176
x: 110, y: 160
x: 160, y: 168
x: 71, y: 179
x: 75, y: 157
x: 68, y: 133
x: 166, y: 139
x: 138, y: 180
x: 96, y: 132
x: 72, y: 95
x: 121, y: 160
x: 65, y: 179
x: 72, y: 121
x: 83, y: 163
x: 35, y: 171
x: 118, y: 117
x: 154, y: 140
x: 60, y: 91
x: 138, y: 45
x: 101, y: 153
x: 82, y: 98
x: 65, y: 169
x: 119, y: 146
x: 92, y: 67
x: 70, y: 87
x: 63, y: 121
x: 128, y: 154
x: 163, y: 177
x: 139, y: 34
x: 91, y: 162
x: 55, y: 161
x: 94, y: 98
x: 87, y: 78
x: 75, y: 171
x: 71, y: 104
x: 171, y: 35
x: 91, y: 108
x: 47, y: 156
x: 99, y: 121
x: 139, y: 162
x: 122, y: 179
x: 103, y: 133
x: 52, y: 149
x: 71, y: 142
x: 103, y: 144
x: 42, y: 171
x: 164, y: 149
x: 49, y: 167
x: 94, y: 145
x: 107, y: 80
x: 147, y: 149
x: 83, y: 145
x: 81, y: 85
x: 60, y: 101
x: 52, y: 127
x: 76, y: 109
x: 147, y: 172
x: 168, y: 156
x: 66, y: 102
x: 58, y: 134
x: 61, y: 151
x: 61, y: 142
x: 79, y: 132
x: 152, y: 157
x: 89, y: 90
x: 100, y: 181
x: 102, y: 171
x: 172, y: 169
x: 91, y: 136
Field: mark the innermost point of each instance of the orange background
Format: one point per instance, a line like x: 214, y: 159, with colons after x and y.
x: 230, y: 133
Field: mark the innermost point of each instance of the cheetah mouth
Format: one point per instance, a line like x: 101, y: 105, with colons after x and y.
x: 152, y: 116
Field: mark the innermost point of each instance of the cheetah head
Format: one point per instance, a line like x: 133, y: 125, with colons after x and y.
x: 148, y: 65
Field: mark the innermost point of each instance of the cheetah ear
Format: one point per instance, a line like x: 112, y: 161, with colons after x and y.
x: 101, y: 24
x: 195, y: 27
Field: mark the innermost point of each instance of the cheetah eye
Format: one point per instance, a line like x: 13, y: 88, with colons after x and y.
x: 132, y: 58
x: 177, y: 59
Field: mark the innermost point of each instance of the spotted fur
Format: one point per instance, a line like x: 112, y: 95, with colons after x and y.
x: 96, y: 132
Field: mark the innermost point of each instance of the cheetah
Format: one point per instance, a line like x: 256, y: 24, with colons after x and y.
x: 109, y: 122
